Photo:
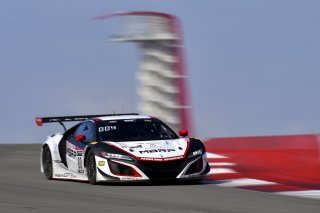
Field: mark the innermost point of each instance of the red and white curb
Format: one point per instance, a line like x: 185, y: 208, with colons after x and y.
x: 222, y: 171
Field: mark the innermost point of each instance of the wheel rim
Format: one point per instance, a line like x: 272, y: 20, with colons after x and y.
x: 47, y: 162
x: 92, y: 168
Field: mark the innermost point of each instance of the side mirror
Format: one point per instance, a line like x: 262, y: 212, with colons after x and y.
x: 183, y: 133
x: 80, y: 138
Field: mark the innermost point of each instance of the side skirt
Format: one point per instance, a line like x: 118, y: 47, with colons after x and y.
x: 62, y: 173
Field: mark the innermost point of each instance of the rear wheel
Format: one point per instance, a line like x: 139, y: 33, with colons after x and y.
x: 91, y: 168
x: 47, y: 162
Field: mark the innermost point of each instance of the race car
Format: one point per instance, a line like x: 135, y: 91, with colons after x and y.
x: 120, y: 147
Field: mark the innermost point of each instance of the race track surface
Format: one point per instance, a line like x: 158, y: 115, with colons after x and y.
x: 24, y: 189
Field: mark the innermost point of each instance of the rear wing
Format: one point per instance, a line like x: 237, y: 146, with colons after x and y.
x: 41, y: 120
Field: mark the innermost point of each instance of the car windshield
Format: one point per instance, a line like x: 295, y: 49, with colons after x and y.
x: 134, y: 130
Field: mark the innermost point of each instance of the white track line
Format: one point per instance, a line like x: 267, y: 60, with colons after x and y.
x: 245, y: 182
x: 306, y: 193
x: 222, y: 164
x: 212, y: 155
x: 221, y: 171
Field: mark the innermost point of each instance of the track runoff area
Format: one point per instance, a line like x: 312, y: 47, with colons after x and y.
x: 25, y: 189
x: 284, y: 165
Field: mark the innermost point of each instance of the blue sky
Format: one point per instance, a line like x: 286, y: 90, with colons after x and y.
x: 253, y: 64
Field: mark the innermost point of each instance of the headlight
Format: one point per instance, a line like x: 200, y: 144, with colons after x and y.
x: 195, y: 153
x: 116, y: 156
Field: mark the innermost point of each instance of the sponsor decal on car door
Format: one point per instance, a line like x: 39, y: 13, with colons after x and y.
x: 75, y: 157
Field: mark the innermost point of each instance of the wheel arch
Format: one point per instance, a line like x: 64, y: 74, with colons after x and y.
x: 52, y: 142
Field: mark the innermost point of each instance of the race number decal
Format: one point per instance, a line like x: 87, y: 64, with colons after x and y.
x: 107, y: 128
x: 80, y: 168
x: 79, y: 163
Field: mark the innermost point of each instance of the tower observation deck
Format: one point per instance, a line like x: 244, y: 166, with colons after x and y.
x: 162, y: 77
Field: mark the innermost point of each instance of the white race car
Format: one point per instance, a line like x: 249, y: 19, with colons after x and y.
x: 121, y: 147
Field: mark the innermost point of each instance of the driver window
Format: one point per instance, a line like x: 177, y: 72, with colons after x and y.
x: 86, y: 129
x: 90, y: 132
x: 80, y: 130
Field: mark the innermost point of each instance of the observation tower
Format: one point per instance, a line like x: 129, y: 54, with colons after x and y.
x: 162, y: 77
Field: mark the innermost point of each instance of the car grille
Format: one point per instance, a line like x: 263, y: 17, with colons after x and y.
x: 162, y: 170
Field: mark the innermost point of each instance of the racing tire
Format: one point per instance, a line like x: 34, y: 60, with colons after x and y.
x: 91, y: 167
x: 47, y: 162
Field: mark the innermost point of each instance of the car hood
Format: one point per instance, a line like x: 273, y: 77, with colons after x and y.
x: 161, y: 149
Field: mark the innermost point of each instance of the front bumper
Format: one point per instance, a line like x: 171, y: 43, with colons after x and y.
x: 129, y: 171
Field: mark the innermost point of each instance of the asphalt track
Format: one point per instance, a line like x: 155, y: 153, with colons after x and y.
x: 24, y: 189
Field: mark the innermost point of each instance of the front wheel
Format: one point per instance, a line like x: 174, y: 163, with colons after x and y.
x: 47, y: 162
x: 91, y: 168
